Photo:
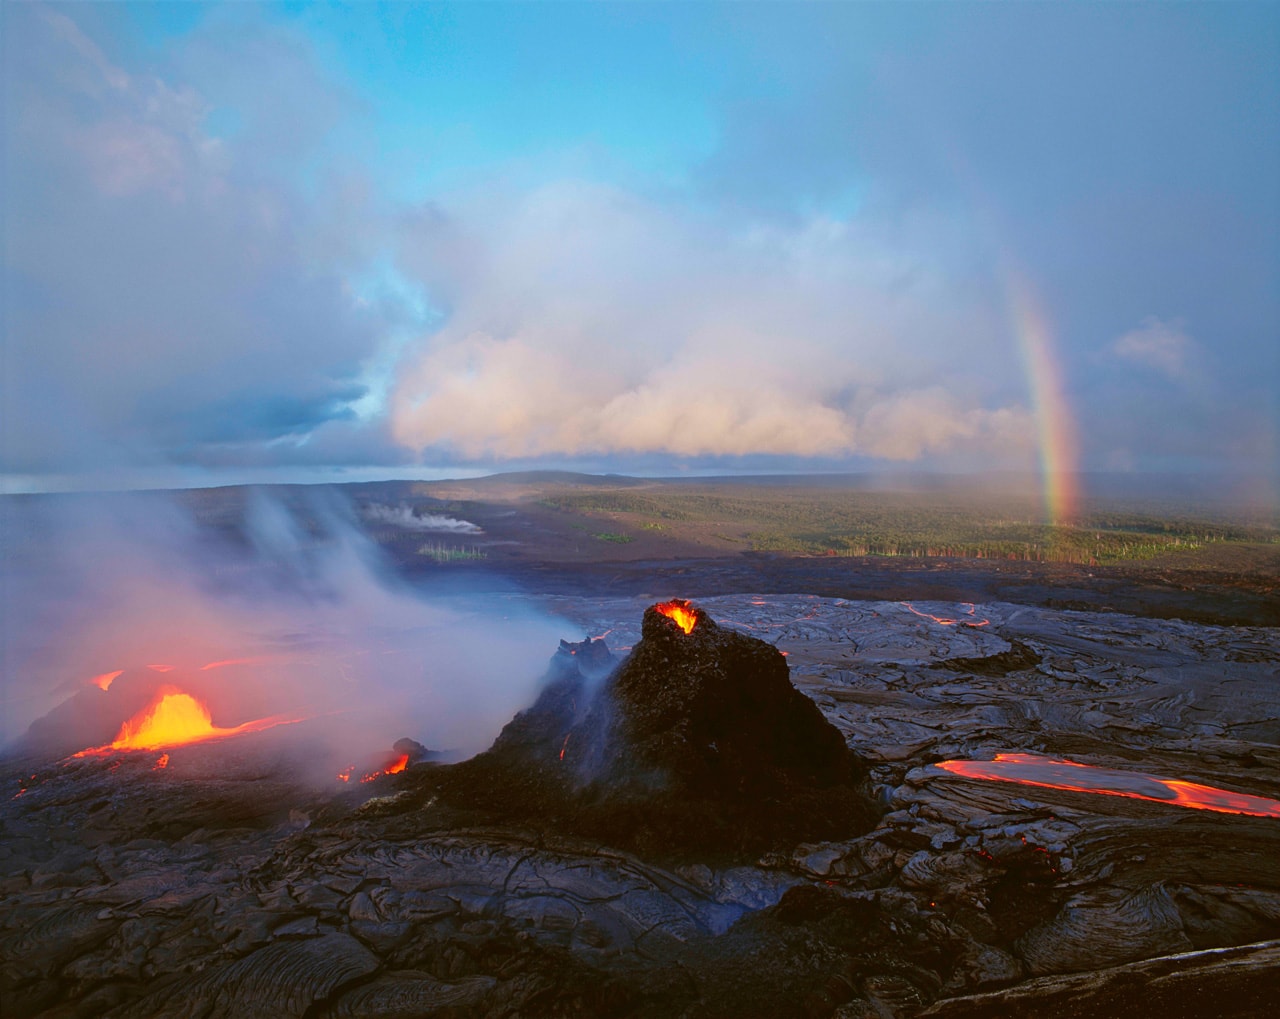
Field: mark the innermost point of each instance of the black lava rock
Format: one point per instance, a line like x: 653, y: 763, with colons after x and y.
x: 696, y: 744
x: 710, y: 712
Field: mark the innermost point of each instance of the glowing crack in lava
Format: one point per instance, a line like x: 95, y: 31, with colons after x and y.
x: 1051, y: 773
x: 396, y: 765
x: 679, y: 610
x: 174, y: 718
x: 945, y: 621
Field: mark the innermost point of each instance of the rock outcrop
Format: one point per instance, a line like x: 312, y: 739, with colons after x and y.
x: 697, y: 741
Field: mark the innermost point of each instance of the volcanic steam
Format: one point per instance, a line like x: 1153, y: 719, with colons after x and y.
x: 156, y: 620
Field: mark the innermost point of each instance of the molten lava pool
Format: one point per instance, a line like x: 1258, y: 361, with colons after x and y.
x: 1052, y: 773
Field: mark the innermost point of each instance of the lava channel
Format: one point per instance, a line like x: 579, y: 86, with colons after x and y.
x: 946, y: 621
x: 1051, y: 773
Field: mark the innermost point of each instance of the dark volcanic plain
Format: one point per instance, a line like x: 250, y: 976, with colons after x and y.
x: 879, y: 886
x: 1167, y: 559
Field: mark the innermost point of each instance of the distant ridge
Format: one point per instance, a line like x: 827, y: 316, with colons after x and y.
x: 552, y: 477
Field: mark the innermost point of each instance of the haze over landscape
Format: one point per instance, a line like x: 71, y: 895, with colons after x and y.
x: 315, y: 242
x: 569, y: 510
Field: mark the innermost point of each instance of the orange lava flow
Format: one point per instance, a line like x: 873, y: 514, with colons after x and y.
x: 679, y: 610
x: 161, y: 668
x: 172, y: 719
x: 230, y: 661
x: 161, y: 762
x: 944, y: 621
x: 1052, y: 773
x: 397, y: 765
x: 103, y: 682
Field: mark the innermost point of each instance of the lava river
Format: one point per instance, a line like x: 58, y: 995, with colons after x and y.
x: 1052, y: 773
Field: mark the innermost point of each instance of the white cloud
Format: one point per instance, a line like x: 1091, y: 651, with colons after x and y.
x: 586, y: 320
x: 1161, y: 346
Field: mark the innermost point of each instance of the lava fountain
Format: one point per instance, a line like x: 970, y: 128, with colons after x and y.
x: 174, y: 718
x: 1052, y: 773
x: 680, y: 611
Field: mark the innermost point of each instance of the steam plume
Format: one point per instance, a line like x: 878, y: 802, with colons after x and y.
x: 294, y: 605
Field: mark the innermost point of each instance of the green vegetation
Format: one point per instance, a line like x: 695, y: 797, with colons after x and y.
x: 617, y: 539
x: 1039, y: 543
x: 442, y: 553
x: 833, y: 520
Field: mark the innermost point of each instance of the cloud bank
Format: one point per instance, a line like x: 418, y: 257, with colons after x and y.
x: 171, y: 294
x: 588, y: 320
x: 234, y: 243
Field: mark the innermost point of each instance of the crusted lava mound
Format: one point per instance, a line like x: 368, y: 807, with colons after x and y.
x: 711, y: 712
x: 696, y: 743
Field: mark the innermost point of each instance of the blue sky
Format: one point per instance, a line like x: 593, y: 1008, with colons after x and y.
x: 287, y: 240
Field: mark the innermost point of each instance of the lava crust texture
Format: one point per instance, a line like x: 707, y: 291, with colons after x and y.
x: 697, y: 742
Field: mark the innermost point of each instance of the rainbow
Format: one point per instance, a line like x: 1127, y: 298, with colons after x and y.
x: 1056, y: 440
x: 1055, y: 427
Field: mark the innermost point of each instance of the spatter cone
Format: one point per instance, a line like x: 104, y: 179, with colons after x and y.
x: 708, y: 712
x: 695, y: 743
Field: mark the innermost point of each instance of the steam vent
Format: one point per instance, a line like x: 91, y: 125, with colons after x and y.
x: 696, y: 741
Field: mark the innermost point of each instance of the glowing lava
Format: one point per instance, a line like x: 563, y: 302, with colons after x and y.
x: 103, y: 682
x: 397, y: 765
x: 944, y: 621
x: 1051, y: 773
x: 172, y: 719
x: 679, y: 610
x: 161, y: 762
x: 255, y: 660
x: 229, y: 661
